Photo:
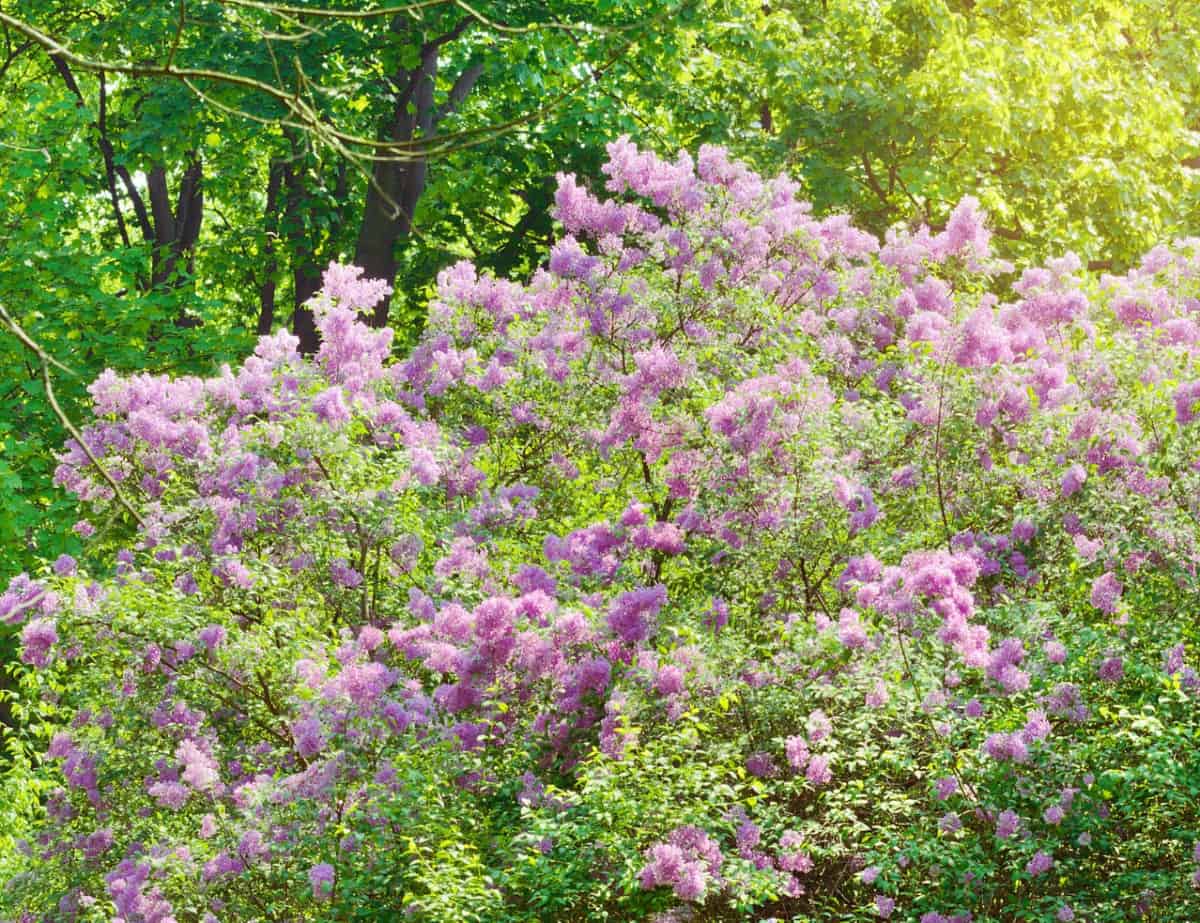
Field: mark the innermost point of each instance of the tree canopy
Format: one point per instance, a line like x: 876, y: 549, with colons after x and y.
x: 1074, y: 123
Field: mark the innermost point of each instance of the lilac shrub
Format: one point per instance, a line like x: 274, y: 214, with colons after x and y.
x: 739, y: 565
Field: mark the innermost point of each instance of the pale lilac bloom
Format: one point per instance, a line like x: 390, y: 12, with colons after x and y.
x: 320, y: 876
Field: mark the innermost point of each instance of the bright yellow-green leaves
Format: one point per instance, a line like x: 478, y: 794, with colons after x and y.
x: 1070, y: 122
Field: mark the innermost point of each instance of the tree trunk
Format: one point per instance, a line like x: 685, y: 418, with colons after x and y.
x: 176, y: 230
x: 306, y: 277
x: 396, y: 185
x: 266, y: 291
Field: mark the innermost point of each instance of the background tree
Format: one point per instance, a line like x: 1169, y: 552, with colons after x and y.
x: 1074, y: 123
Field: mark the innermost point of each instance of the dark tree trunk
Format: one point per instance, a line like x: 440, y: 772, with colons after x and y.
x: 306, y: 277
x: 266, y: 291
x: 397, y: 184
x: 172, y: 232
x: 175, y: 230
x: 307, y: 282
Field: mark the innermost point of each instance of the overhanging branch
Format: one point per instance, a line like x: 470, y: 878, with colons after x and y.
x: 45, y: 360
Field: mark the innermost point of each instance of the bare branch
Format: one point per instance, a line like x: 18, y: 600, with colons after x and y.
x: 13, y: 54
x: 139, y: 204
x: 178, y: 33
x: 283, y: 9
x: 447, y: 37
x: 462, y: 87
x: 110, y: 171
x: 414, y: 9
x: 64, y: 71
x: 299, y: 108
x: 872, y: 181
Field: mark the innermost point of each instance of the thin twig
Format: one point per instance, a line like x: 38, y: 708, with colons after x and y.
x: 46, y: 361
x: 306, y: 114
x: 967, y: 788
x: 178, y: 33
x: 286, y: 11
x: 937, y: 458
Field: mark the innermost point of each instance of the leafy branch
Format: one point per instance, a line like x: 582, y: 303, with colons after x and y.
x: 46, y: 360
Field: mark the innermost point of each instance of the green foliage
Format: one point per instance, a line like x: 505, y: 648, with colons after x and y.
x: 729, y: 569
x: 1074, y: 124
